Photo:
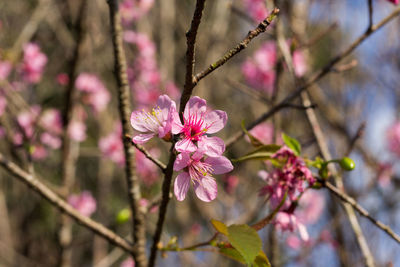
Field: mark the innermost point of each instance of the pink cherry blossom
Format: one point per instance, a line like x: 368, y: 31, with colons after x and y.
x: 157, y: 122
x: 285, y: 221
x: 5, y: 69
x: 33, y: 64
x: 385, y: 173
x: 199, y: 171
x: 199, y: 121
x: 84, y: 203
x: 393, y: 138
x: 27, y: 119
x: 129, y: 262
x: 112, y: 147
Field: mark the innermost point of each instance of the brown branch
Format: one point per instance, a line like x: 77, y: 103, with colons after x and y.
x: 315, y: 77
x: 346, y: 198
x: 262, y: 27
x: 370, y: 14
x: 40, y: 188
x: 139, y: 229
x: 190, y: 55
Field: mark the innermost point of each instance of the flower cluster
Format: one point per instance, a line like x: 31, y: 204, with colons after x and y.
x: 291, y: 179
x: 200, y: 155
x: 259, y: 71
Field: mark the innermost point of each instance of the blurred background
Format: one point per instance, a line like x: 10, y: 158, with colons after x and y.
x: 50, y: 48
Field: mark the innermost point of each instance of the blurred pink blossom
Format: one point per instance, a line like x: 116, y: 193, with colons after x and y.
x: 393, y: 138
x: 77, y: 131
x: 230, y: 183
x: 112, y: 147
x: 132, y: 10
x: 145, y: 168
x: 39, y: 152
x: 50, y: 140
x: 385, y: 172
x: 27, y: 119
x: 84, y: 203
x: 51, y: 120
x: 299, y: 63
x: 62, y: 79
x: 5, y: 69
x: 33, y: 64
x: 311, y: 206
x: 396, y: 2
x: 264, y: 132
x: 256, y: 9
x: 96, y: 94
x: 129, y: 262
x: 285, y: 221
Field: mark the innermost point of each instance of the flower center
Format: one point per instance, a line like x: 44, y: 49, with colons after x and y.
x: 198, y: 170
x: 193, y: 127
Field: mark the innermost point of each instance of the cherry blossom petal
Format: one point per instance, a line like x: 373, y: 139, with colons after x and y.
x: 182, y: 161
x: 176, y: 123
x: 138, y: 121
x: 142, y: 138
x: 220, y: 164
x: 213, y: 146
x: 215, y: 121
x: 181, y: 185
x: 206, y: 189
x: 195, y: 105
x: 164, y: 103
x: 185, y: 145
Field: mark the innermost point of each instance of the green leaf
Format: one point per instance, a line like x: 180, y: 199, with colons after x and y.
x: 262, y: 153
x: 220, y: 227
x: 233, y: 254
x: 246, y: 240
x: 292, y: 143
x: 123, y: 216
x: 261, y: 260
x: 253, y: 140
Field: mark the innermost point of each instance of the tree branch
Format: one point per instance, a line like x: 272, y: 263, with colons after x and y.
x: 139, y: 230
x: 37, y: 186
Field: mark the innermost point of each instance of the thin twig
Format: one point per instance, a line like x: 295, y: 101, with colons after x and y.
x: 344, y: 197
x: 147, y: 154
x: 315, y: 77
x: 39, y: 187
x: 139, y: 228
x: 262, y: 27
x: 370, y: 14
